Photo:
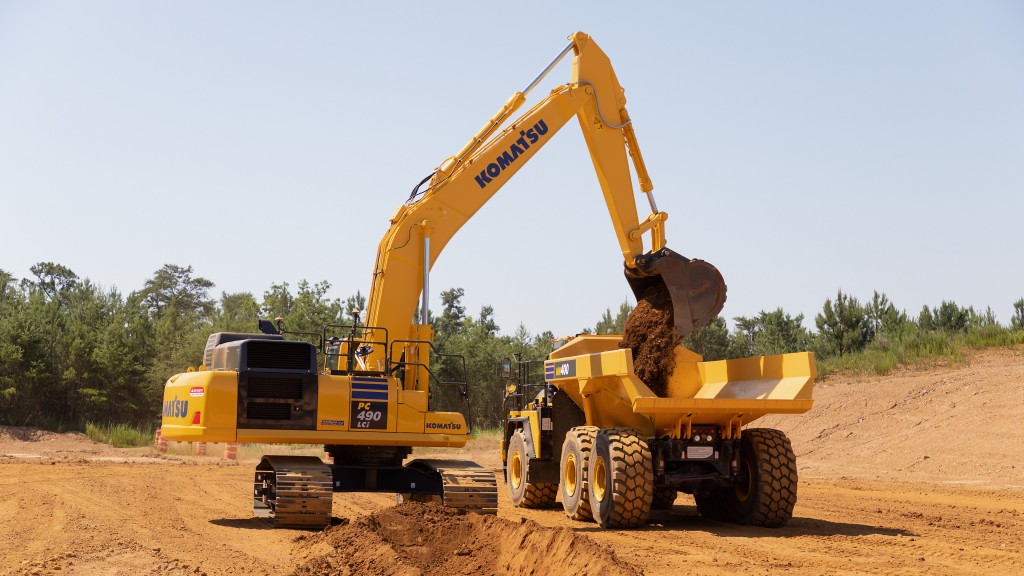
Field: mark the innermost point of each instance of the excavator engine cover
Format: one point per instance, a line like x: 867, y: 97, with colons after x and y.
x: 697, y: 288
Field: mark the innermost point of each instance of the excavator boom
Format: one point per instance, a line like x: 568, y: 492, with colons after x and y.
x: 462, y: 184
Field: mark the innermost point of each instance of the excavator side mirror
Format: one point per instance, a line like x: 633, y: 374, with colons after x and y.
x: 506, y: 368
x: 267, y: 327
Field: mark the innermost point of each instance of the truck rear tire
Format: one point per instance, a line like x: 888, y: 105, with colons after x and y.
x: 621, y: 479
x: 663, y: 498
x: 713, y: 504
x: 573, y: 468
x: 522, y: 492
x: 765, y: 491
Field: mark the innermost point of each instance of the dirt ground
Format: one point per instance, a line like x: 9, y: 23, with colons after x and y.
x: 919, y: 472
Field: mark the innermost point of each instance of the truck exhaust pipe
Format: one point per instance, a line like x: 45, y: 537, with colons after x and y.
x: 696, y: 288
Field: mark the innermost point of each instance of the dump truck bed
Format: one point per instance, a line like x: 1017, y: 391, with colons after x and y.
x: 599, y: 377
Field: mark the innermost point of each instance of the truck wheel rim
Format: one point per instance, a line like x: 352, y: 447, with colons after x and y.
x: 600, y: 480
x: 570, y: 473
x: 745, y: 485
x: 516, y: 470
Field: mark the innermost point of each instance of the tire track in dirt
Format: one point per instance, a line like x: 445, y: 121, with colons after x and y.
x: 146, y: 519
x: 837, y: 528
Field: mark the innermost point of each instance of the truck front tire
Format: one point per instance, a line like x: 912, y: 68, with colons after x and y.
x: 621, y: 479
x: 573, y: 468
x: 522, y: 492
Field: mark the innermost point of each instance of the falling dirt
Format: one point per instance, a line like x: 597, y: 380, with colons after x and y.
x: 650, y: 334
x: 418, y: 539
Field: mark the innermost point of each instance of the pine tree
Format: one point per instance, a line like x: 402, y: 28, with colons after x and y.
x: 711, y: 341
x: 951, y: 318
x: 843, y: 325
x: 1017, y: 322
x: 616, y: 324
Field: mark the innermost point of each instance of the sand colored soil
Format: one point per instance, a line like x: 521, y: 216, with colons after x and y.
x: 650, y: 334
x: 917, y: 472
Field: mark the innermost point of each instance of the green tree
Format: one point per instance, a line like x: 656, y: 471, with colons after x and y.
x: 981, y: 320
x: 55, y: 280
x: 925, y: 319
x: 355, y: 302
x: 614, y: 323
x: 1017, y: 322
x: 951, y: 318
x: 277, y: 301
x: 311, y: 309
x: 453, y: 314
x: 883, y: 316
x: 711, y: 341
x: 742, y: 341
x: 486, y: 321
x: 843, y: 325
x: 238, y: 312
x: 780, y: 333
x: 175, y: 287
x: 180, y: 313
x: 10, y: 353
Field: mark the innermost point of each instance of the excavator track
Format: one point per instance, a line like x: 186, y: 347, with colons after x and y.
x: 466, y: 485
x: 293, y: 491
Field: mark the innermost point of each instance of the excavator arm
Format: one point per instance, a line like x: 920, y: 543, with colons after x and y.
x: 462, y: 184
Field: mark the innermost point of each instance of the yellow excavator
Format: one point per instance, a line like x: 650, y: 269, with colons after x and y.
x: 368, y: 403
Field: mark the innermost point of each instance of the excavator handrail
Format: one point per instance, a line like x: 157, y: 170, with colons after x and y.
x: 351, y: 339
x: 523, y: 385
x: 464, y: 384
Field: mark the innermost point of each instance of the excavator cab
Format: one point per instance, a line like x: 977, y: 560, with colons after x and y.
x: 696, y: 288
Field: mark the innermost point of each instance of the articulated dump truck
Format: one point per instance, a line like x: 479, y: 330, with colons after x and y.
x: 592, y: 432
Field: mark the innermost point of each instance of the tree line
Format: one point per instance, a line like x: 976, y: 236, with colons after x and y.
x: 849, y: 332
x: 73, y: 352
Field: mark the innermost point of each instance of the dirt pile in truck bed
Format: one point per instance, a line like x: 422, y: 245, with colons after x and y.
x: 649, y: 334
x: 413, y: 539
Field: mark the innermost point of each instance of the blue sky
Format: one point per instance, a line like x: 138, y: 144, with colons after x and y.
x: 801, y: 147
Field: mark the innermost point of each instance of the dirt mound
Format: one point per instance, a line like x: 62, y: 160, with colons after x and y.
x: 953, y: 424
x: 25, y: 434
x: 17, y: 442
x: 649, y: 334
x: 413, y: 539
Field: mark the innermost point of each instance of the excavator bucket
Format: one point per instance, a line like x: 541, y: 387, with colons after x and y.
x: 697, y: 288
